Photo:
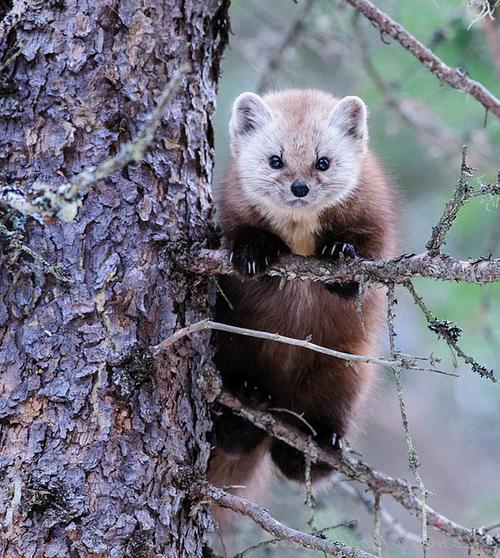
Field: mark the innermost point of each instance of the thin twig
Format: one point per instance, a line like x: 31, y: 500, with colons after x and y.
x: 412, y: 453
x: 394, y: 530
x: 356, y: 469
x: 348, y: 523
x: 278, y: 56
x: 412, y: 457
x: 449, y: 332
x: 460, y: 196
x: 310, y: 500
x: 492, y: 189
x: 255, y: 547
x: 458, y: 79
x: 487, y: 9
x: 377, y: 539
x: 433, y: 134
x: 296, y: 415
x: 304, y: 344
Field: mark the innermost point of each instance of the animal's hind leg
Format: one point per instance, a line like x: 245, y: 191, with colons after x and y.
x: 245, y: 475
x: 292, y: 463
x: 234, y: 435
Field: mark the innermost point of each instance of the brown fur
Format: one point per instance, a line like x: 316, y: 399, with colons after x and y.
x: 297, y: 379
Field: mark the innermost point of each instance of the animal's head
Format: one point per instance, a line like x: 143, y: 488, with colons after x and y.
x: 298, y: 151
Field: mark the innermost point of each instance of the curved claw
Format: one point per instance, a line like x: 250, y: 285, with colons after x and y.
x: 337, y: 441
x: 335, y: 250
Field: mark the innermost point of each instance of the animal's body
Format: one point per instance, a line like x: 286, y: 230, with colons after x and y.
x: 302, y: 180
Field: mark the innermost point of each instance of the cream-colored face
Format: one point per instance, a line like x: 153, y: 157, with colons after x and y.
x: 298, y: 152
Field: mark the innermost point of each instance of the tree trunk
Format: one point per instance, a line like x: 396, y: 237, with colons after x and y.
x: 92, y: 429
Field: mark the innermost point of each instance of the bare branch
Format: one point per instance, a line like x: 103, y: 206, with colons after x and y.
x: 433, y: 134
x: 310, y: 501
x: 356, y: 469
x: 349, y: 524
x: 449, y: 332
x: 492, y: 189
x: 202, y: 489
x: 454, y: 77
x: 398, y: 270
x: 395, y: 531
x: 377, y: 539
x: 290, y: 38
x: 405, y: 361
x: 486, y: 10
x: 461, y: 195
x: 412, y: 452
x: 256, y: 546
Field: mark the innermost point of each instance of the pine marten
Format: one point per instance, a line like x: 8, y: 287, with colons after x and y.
x: 301, y: 180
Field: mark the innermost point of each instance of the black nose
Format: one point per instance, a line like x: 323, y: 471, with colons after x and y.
x: 300, y: 189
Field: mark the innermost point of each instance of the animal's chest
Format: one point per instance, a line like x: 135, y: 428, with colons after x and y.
x: 300, y: 236
x: 301, y: 243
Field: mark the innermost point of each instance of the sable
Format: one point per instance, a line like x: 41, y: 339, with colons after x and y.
x: 302, y: 181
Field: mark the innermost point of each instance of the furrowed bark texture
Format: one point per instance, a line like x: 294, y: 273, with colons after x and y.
x: 90, y: 429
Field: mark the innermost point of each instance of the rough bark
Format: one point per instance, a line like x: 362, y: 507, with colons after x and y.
x: 90, y: 429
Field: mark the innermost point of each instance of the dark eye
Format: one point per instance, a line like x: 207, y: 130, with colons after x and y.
x: 322, y: 164
x: 275, y: 162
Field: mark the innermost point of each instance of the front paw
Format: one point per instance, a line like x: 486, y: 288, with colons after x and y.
x: 337, y: 441
x: 254, y: 250
x: 334, y: 250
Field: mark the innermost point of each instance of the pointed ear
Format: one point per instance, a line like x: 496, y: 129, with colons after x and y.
x: 250, y: 112
x: 350, y: 116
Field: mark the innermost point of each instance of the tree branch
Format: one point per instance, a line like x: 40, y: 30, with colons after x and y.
x: 433, y: 134
x: 394, y: 530
x: 449, y: 332
x: 398, y: 270
x: 454, y: 77
x: 460, y: 196
x: 201, y: 489
x: 413, y: 460
x: 289, y: 39
x: 404, y: 361
x: 356, y: 469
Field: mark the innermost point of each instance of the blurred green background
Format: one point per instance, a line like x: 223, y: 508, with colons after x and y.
x: 417, y: 127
